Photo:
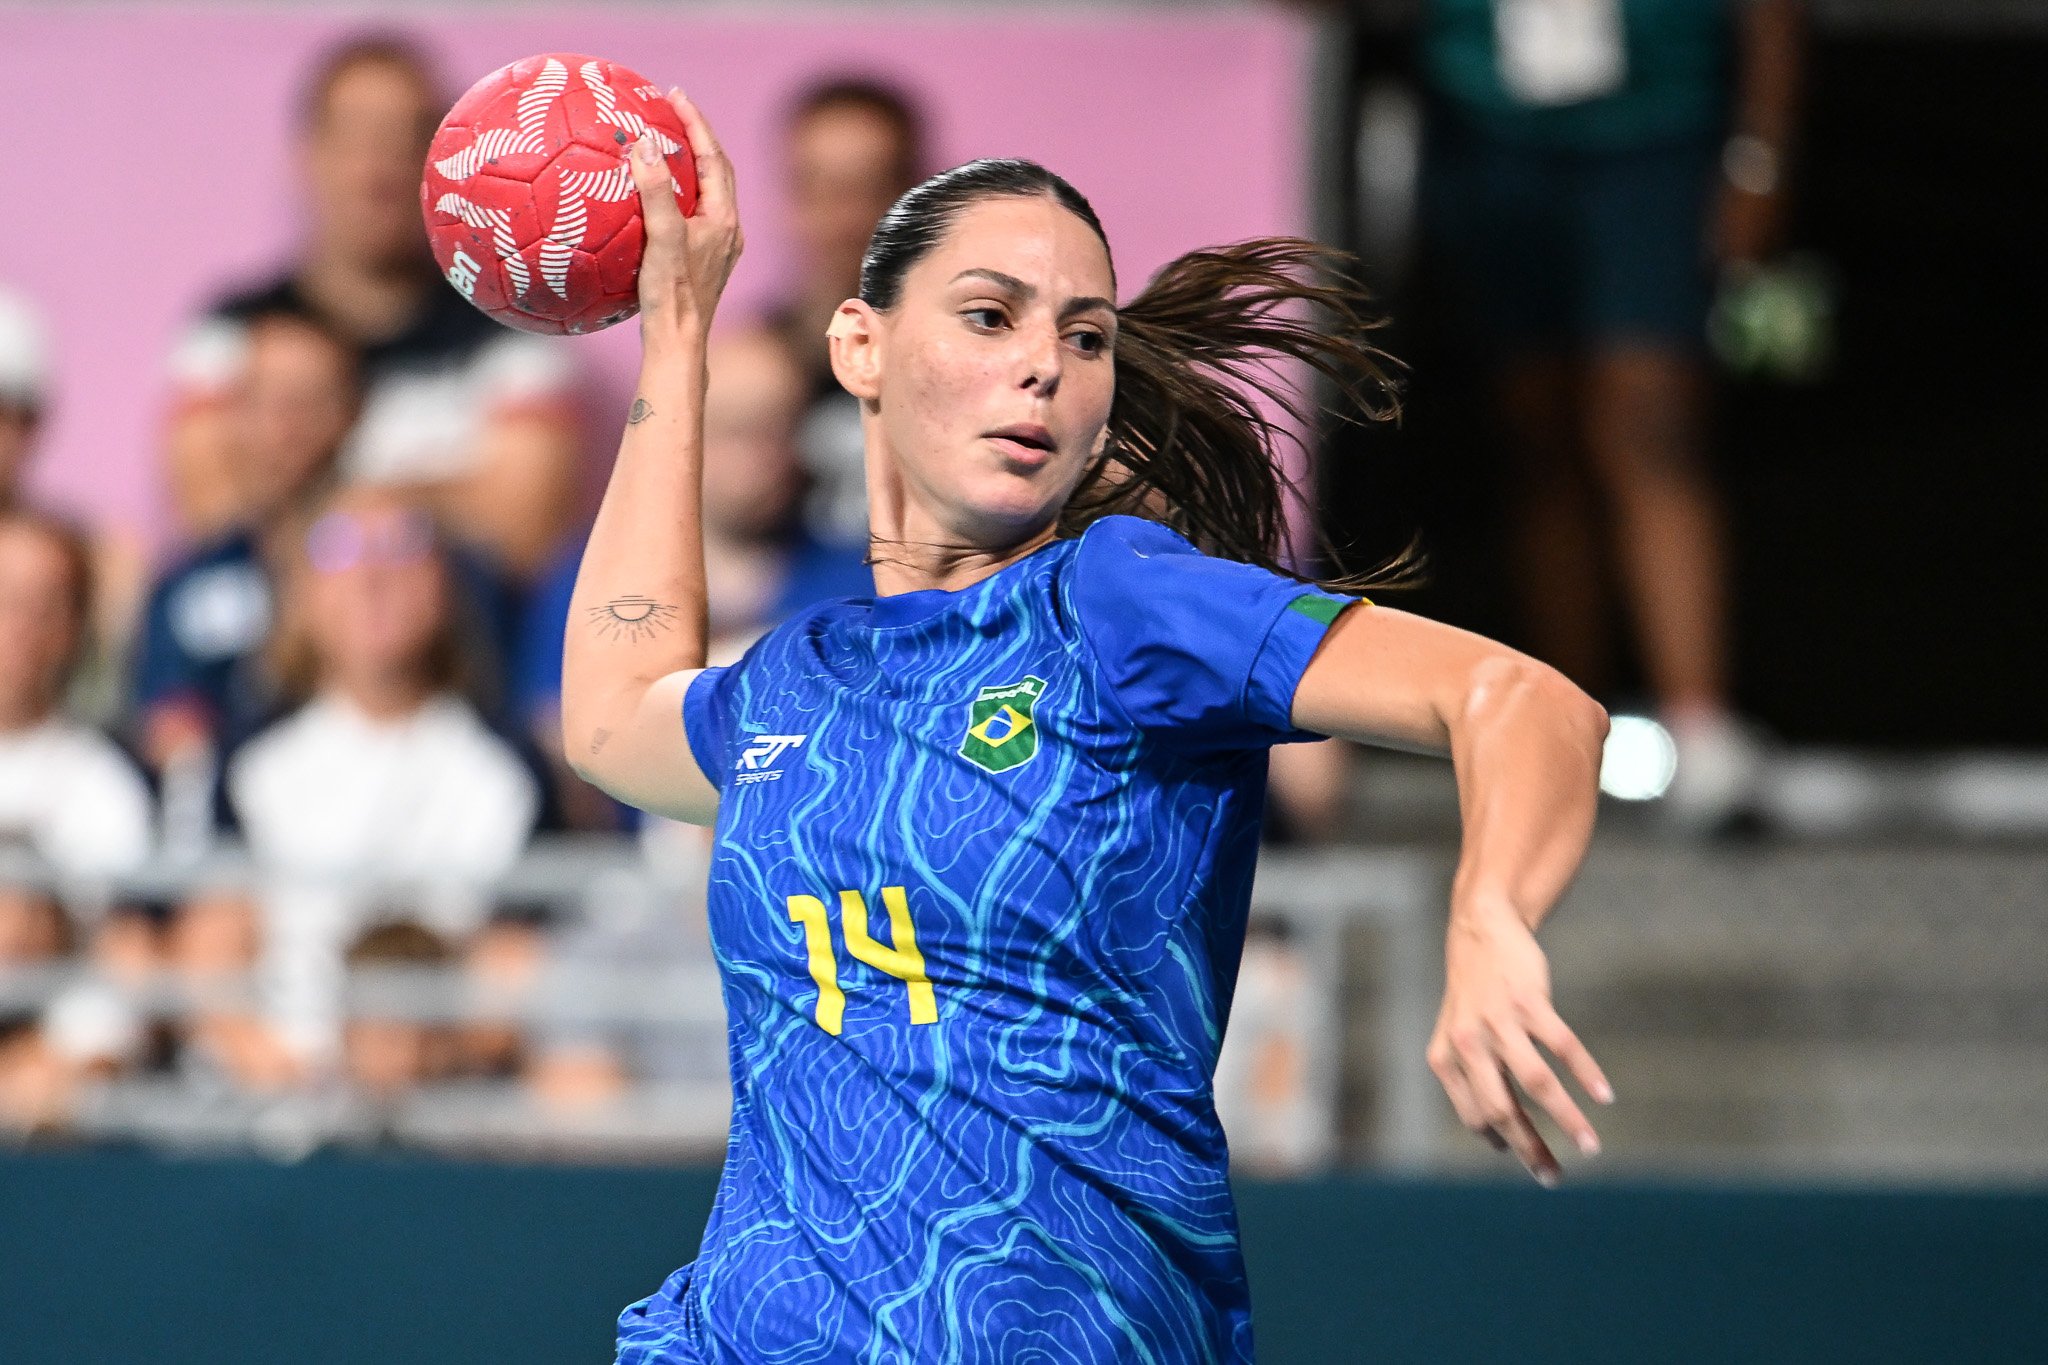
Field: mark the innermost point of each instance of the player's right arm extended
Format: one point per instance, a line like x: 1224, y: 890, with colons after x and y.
x: 637, y: 621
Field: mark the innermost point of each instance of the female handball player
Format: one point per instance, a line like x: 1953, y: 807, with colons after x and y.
x: 984, y: 842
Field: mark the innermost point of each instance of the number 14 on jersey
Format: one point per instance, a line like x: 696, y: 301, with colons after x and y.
x: 902, y: 961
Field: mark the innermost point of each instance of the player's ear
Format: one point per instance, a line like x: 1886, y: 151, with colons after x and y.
x: 855, y: 339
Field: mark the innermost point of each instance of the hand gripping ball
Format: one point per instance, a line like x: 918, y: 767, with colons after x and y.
x: 530, y: 201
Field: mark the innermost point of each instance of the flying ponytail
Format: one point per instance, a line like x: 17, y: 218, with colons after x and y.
x: 1213, y: 333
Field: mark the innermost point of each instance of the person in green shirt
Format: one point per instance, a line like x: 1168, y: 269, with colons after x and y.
x: 1588, y: 165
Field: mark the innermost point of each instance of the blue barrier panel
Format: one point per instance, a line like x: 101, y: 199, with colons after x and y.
x: 115, y: 1258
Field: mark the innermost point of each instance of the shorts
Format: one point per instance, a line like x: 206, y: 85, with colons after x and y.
x: 1542, y: 248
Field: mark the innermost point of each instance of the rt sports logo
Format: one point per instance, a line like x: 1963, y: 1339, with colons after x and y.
x: 758, y: 759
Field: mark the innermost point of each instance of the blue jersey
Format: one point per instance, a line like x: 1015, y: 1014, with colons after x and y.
x: 978, y: 895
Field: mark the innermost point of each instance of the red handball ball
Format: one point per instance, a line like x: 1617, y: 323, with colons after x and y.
x: 529, y: 199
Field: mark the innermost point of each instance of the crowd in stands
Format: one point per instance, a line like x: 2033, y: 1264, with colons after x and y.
x: 346, y: 661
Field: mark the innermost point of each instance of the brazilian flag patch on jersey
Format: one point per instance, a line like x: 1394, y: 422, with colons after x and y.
x: 1000, y: 732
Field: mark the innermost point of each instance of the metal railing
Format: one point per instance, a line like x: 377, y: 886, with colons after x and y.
x: 590, y: 881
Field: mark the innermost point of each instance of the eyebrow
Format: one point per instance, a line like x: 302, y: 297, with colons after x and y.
x: 1080, y: 304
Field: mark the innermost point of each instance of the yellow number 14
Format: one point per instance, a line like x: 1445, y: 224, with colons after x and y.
x: 902, y: 961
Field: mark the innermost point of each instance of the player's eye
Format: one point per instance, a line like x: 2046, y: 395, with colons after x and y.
x: 987, y: 319
x: 1089, y: 341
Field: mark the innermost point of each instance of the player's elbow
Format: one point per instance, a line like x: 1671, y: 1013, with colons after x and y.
x: 589, y: 722
x: 1511, y: 685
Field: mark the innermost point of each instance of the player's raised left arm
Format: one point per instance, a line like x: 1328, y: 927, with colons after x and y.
x: 1526, y: 746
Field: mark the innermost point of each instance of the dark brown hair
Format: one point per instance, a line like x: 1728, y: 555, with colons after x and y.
x: 884, y: 101
x: 369, y: 49
x: 1203, y: 393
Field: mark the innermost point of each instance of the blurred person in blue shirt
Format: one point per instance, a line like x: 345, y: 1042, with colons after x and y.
x: 200, y: 683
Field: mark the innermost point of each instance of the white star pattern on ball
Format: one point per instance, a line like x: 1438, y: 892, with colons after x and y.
x: 528, y: 139
x: 531, y: 169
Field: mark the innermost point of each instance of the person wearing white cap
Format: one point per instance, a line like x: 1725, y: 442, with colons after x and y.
x: 24, y: 382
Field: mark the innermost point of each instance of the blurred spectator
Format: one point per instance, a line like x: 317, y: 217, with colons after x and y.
x: 1585, y: 163
x: 852, y: 147
x: 470, y: 417
x: 73, y: 800
x: 65, y: 789
x: 386, y: 1056
x: 201, y: 684
x: 118, y: 563
x: 386, y: 775
x: 279, y: 424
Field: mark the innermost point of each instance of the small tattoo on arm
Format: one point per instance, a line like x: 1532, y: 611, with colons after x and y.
x: 597, y: 740
x: 641, y: 411
x: 632, y: 618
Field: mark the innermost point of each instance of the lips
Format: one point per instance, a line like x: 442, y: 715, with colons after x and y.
x: 1028, y: 434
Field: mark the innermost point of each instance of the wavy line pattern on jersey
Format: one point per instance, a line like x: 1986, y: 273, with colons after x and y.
x: 1039, y: 1175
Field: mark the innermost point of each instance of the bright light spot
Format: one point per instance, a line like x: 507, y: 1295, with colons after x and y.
x: 1639, y: 761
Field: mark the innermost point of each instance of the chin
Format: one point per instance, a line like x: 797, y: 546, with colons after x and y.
x: 1013, y: 500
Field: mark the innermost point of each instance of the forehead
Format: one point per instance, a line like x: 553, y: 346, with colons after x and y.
x: 1034, y: 239
x: 281, y: 341
x: 847, y: 130
x: 374, y: 89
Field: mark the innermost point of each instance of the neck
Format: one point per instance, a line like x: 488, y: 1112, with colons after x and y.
x: 383, y: 697
x: 24, y: 713
x: 371, y: 300
x: 915, y: 546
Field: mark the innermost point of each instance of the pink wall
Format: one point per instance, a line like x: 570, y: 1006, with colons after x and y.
x: 147, y: 161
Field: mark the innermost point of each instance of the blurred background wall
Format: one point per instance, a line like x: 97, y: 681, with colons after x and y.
x: 127, y: 210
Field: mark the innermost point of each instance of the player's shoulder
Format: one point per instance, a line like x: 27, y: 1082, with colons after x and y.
x: 1121, y: 538
x: 1119, y: 564
x: 792, y: 642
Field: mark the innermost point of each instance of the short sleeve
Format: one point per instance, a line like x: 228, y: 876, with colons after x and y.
x: 707, y: 721
x: 1201, y: 652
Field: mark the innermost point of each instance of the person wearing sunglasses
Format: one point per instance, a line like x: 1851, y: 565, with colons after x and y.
x: 385, y: 776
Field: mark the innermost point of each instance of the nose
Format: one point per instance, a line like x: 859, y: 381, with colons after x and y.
x: 1041, y: 362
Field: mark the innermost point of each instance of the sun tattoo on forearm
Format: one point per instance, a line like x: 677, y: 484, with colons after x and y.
x: 640, y: 412
x: 632, y: 618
